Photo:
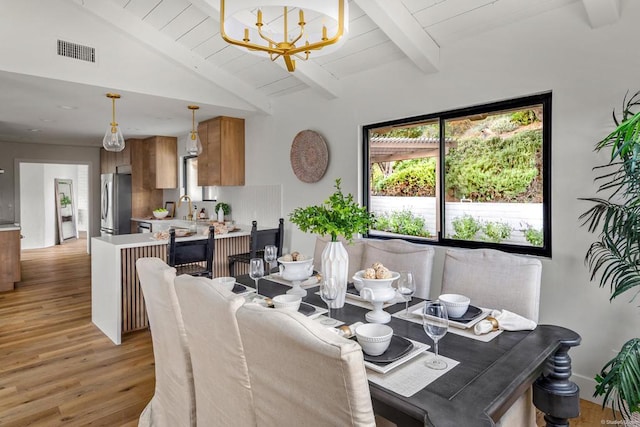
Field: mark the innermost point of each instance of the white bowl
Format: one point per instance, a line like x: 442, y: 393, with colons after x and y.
x: 456, y: 304
x: 296, y: 270
x: 374, y: 338
x: 160, y: 215
x: 226, y: 282
x: 287, y: 302
x: 373, y: 283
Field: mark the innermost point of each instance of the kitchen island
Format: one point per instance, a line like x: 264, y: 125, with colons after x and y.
x: 117, y: 305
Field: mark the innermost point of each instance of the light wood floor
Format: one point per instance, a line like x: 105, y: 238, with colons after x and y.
x: 58, y: 369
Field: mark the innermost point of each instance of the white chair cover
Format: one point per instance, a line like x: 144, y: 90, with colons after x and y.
x: 222, y: 386
x: 400, y: 255
x: 494, y: 279
x: 173, y: 403
x: 302, y: 373
x: 498, y: 280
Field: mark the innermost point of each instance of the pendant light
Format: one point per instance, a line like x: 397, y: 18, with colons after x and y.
x: 113, y: 139
x: 194, y: 147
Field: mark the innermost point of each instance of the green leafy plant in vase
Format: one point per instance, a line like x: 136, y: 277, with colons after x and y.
x: 338, y: 216
x: 615, y: 257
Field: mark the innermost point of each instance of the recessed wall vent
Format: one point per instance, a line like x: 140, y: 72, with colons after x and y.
x: 76, y: 51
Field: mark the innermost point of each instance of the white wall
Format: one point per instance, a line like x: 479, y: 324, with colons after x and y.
x: 588, y: 71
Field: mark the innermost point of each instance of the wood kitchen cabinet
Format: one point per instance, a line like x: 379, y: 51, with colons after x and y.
x: 222, y: 159
x: 154, y: 166
x: 110, y: 160
x: 9, y: 259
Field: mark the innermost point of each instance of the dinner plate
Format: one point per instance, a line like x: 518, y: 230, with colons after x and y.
x: 459, y: 322
x: 241, y: 289
x: 398, y: 347
x: 471, y: 313
x: 306, y: 309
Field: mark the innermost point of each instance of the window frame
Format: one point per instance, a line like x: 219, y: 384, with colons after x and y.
x: 544, y: 99
x: 185, y: 188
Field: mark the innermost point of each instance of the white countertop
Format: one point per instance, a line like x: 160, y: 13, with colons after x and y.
x: 146, y: 239
x: 9, y: 227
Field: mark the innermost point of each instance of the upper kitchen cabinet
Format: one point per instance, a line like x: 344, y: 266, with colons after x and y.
x: 110, y: 160
x: 154, y: 166
x: 222, y: 159
x: 156, y: 158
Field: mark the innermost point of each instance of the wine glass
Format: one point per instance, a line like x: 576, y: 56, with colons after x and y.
x: 256, y: 270
x: 406, y: 286
x: 270, y: 255
x: 329, y: 290
x: 435, y: 323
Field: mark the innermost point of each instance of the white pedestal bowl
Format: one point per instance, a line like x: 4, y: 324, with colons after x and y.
x: 296, y: 272
x: 377, y: 292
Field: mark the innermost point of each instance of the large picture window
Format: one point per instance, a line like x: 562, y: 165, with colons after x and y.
x: 473, y: 177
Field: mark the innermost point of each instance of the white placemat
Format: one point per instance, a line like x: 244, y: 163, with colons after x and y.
x: 305, y: 284
x: 411, y: 377
x: 259, y: 299
x: 418, y: 348
x: 468, y: 333
x: 356, y: 300
x: 321, y: 317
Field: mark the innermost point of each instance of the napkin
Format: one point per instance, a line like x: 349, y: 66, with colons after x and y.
x: 348, y: 331
x: 503, y: 320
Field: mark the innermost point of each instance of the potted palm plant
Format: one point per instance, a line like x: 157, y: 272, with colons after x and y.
x: 614, y: 258
x: 338, y: 216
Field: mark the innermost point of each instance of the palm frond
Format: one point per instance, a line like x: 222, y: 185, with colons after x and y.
x: 619, y: 380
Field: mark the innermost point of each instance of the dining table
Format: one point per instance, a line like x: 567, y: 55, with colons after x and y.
x: 488, y: 379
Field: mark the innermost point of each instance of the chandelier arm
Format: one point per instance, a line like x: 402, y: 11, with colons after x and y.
x: 299, y: 35
x: 265, y: 38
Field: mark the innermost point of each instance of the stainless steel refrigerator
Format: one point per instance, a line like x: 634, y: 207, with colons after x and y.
x: 115, y: 205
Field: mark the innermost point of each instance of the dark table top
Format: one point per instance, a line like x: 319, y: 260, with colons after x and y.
x: 488, y: 379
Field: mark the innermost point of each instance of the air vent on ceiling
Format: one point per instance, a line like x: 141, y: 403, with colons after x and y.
x: 76, y: 51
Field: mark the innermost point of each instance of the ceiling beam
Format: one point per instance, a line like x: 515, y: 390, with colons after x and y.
x: 309, y: 72
x: 140, y: 30
x: 602, y: 12
x: 401, y: 27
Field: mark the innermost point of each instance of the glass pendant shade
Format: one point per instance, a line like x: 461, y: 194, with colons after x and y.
x: 113, y: 139
x: 194, y: 146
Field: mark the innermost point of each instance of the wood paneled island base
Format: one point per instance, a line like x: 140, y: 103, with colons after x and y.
x: 117, y: 303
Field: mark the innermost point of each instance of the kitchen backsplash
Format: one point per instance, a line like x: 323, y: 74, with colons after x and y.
x: 262, y: 203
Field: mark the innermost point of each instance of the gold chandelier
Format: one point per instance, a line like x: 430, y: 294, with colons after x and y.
x: 237, y: 27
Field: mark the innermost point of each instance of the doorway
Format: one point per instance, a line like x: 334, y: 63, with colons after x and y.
x: 38, y: 214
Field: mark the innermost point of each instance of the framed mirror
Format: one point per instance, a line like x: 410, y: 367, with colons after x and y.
x: 65, y: 210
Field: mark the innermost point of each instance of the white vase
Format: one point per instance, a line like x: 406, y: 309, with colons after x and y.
x: 335, y: 263
x: 220, y: 215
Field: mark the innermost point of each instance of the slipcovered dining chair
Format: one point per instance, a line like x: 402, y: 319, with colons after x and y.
x: 400, y: 255
x: 193, y: 257
x: 302, y: 373
x: 498, y: 280
x: 222, y: 386
x: 257, y: 241
x: 173, y: 402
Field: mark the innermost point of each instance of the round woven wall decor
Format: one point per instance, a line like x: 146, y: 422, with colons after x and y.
x: 309, y: 156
